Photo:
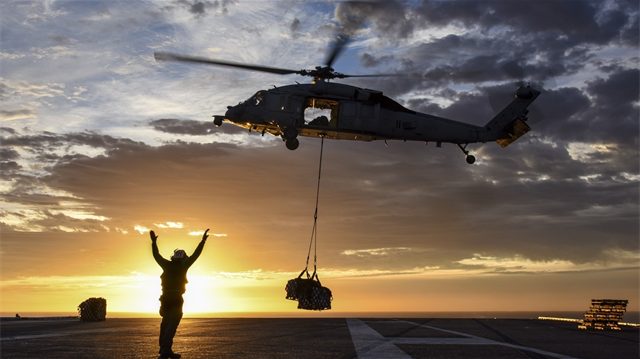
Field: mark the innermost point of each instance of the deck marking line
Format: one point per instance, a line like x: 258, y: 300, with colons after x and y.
x: 369, y: 344
x: 70, y: 332
x: 442, y: 341
x: 489, y: 341
x: 38, y: 336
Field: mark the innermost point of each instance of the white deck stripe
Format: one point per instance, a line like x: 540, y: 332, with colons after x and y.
x: 370, y: 344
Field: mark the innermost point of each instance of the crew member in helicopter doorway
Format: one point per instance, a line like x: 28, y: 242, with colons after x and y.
x: 174, y: 281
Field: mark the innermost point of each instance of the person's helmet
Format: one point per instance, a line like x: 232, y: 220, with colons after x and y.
x: 178, y: 255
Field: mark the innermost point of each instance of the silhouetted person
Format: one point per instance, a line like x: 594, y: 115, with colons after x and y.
x: 174, y: 282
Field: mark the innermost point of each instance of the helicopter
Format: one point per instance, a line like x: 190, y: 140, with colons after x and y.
x: 352, y: 113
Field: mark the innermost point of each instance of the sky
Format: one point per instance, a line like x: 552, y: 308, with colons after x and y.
x: 100, y: 144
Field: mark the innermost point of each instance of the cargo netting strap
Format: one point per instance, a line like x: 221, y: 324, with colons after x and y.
x: 314, y: 231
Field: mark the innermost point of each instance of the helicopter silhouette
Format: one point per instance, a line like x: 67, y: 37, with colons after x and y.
x: 351, y: 113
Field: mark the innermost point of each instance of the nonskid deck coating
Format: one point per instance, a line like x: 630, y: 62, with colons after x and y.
x: 362, y: 338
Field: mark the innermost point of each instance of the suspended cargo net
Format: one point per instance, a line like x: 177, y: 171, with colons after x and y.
x: 93, y: 310
x: 308, y: 291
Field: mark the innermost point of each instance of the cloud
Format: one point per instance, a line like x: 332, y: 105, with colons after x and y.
x: 619, y: 89
x: 104, y: 142
x: 295, y: 25
x: 17, y: 114
x: 169, y: 225
x: 141, y: 229
x: 368, y: 60
x: 257, y: 274
x: 202, y: 8
x: 547, y: 184
x: 389, y: 18
x: 375, y: 251
x: 183, y: 127
x: 7, y: 154
x: 61, y: 39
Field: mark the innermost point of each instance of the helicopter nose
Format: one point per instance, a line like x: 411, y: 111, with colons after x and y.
x: 234, y: 112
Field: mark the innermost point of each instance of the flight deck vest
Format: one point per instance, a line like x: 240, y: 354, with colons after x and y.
x: 174, y: 277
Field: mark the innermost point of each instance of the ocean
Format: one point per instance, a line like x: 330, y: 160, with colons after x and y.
x: 629, y: 317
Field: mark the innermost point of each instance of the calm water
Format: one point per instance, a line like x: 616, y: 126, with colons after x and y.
x: 629, y: 317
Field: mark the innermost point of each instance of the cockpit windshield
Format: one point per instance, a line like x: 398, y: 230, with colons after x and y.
x: 257, y: 99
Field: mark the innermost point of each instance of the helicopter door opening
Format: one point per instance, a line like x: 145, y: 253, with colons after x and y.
x: 320, y: 112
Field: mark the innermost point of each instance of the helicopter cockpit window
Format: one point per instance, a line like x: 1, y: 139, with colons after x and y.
x: 257, y: 99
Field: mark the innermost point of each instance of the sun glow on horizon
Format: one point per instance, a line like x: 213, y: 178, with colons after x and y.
x: 262, y: 291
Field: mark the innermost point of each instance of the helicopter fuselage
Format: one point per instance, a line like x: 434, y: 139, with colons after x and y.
x: 352, y: 113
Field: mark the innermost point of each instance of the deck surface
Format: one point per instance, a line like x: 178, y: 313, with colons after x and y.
x: 362, y: 338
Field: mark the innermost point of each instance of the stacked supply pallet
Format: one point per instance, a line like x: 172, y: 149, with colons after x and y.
x: 93, y: 310
x: 604, y: 314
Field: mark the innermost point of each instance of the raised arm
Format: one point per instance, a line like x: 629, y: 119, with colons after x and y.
x: 191, y: 259
x: 156, y: 253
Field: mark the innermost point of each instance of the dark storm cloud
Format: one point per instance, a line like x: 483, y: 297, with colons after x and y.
x: 368, y: 60
x: 295, y: 25
x: 539, y: 169
x: 630, y: 35
x: 619, y: 89
x: 388, y: 17
x: 407, y: 195
x: 582, y: 22
x: 191, y: 127
x: 7, y: 167
x: 201, y: 8
x: 183, y: 127
x: 60, y: 39
x: 48, y: 141
x: 463, y: 60
x: 8, y: 154
x: 565, y: 23
x: 614, y: 116
x: 507, y: 41
x: 197, y: 8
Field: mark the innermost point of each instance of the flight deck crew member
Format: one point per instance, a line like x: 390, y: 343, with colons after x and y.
x: 174, y: 281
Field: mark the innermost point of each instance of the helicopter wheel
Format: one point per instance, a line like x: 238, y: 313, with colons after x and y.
x: 290, y: 133
x: 471, y: 159
x: 292, y: 144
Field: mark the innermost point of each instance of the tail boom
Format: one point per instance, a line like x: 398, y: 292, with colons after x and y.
x: 509, y: 125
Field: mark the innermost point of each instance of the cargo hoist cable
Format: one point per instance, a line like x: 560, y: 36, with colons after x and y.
x: 314, y: 231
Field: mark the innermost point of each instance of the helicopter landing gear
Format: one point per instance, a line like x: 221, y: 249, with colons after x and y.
x: 289, y: 133
x: 470, y: 158
x: 292, y: 144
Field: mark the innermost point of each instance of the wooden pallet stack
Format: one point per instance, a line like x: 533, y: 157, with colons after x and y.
x: 604, y: 314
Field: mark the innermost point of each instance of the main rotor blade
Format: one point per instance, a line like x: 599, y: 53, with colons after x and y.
x: 337, y: 48
x: 376, y: 75
x: 164, y: 56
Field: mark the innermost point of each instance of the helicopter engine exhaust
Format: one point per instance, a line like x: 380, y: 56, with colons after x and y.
x: 524, y: 92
